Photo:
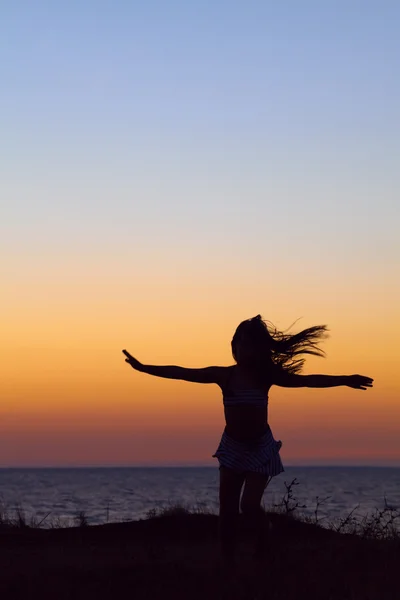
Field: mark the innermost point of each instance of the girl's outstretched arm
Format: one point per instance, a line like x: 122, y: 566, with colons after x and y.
x: 206, y: 375
x: 358, y: 382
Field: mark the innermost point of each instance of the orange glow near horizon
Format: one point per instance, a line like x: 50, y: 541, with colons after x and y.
x: 69, y: 398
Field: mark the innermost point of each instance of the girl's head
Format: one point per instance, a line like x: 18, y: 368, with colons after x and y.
x: 256, y: 346
x: 252, y: 342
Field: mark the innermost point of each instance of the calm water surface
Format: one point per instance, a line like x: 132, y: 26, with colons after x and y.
x: 117, y: 494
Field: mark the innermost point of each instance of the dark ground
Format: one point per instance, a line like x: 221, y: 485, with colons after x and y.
x: 177, y: 557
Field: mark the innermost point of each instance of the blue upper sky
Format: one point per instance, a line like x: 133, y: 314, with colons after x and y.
x: 200, y: 122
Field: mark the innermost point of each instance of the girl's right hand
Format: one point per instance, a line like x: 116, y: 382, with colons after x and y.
x: 135, y: 364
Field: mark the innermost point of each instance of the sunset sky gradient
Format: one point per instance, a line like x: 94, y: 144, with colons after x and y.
x: 168, y: 169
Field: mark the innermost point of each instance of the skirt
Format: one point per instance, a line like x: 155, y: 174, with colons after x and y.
x: 258, y: 456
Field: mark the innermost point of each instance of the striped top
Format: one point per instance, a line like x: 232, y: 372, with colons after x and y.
x: 245, y: 397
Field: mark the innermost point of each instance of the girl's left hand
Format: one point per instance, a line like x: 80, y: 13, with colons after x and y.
x: 359, y: 382
x: 135, y: 364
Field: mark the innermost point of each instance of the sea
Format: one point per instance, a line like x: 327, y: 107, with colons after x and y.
x: 62, y: 496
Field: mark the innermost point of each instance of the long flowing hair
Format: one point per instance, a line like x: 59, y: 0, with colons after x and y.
x: 279, y: 349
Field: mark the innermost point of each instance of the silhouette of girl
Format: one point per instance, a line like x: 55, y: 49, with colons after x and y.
x: 248, y: 454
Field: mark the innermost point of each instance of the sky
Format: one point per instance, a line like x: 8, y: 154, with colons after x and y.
x: 168, y: 169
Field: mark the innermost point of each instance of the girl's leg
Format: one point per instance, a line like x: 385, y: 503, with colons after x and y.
x: 255, y: 484
x: 230, y: 485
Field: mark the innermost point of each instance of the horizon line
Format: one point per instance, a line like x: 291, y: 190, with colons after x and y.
x: 196, y: 466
